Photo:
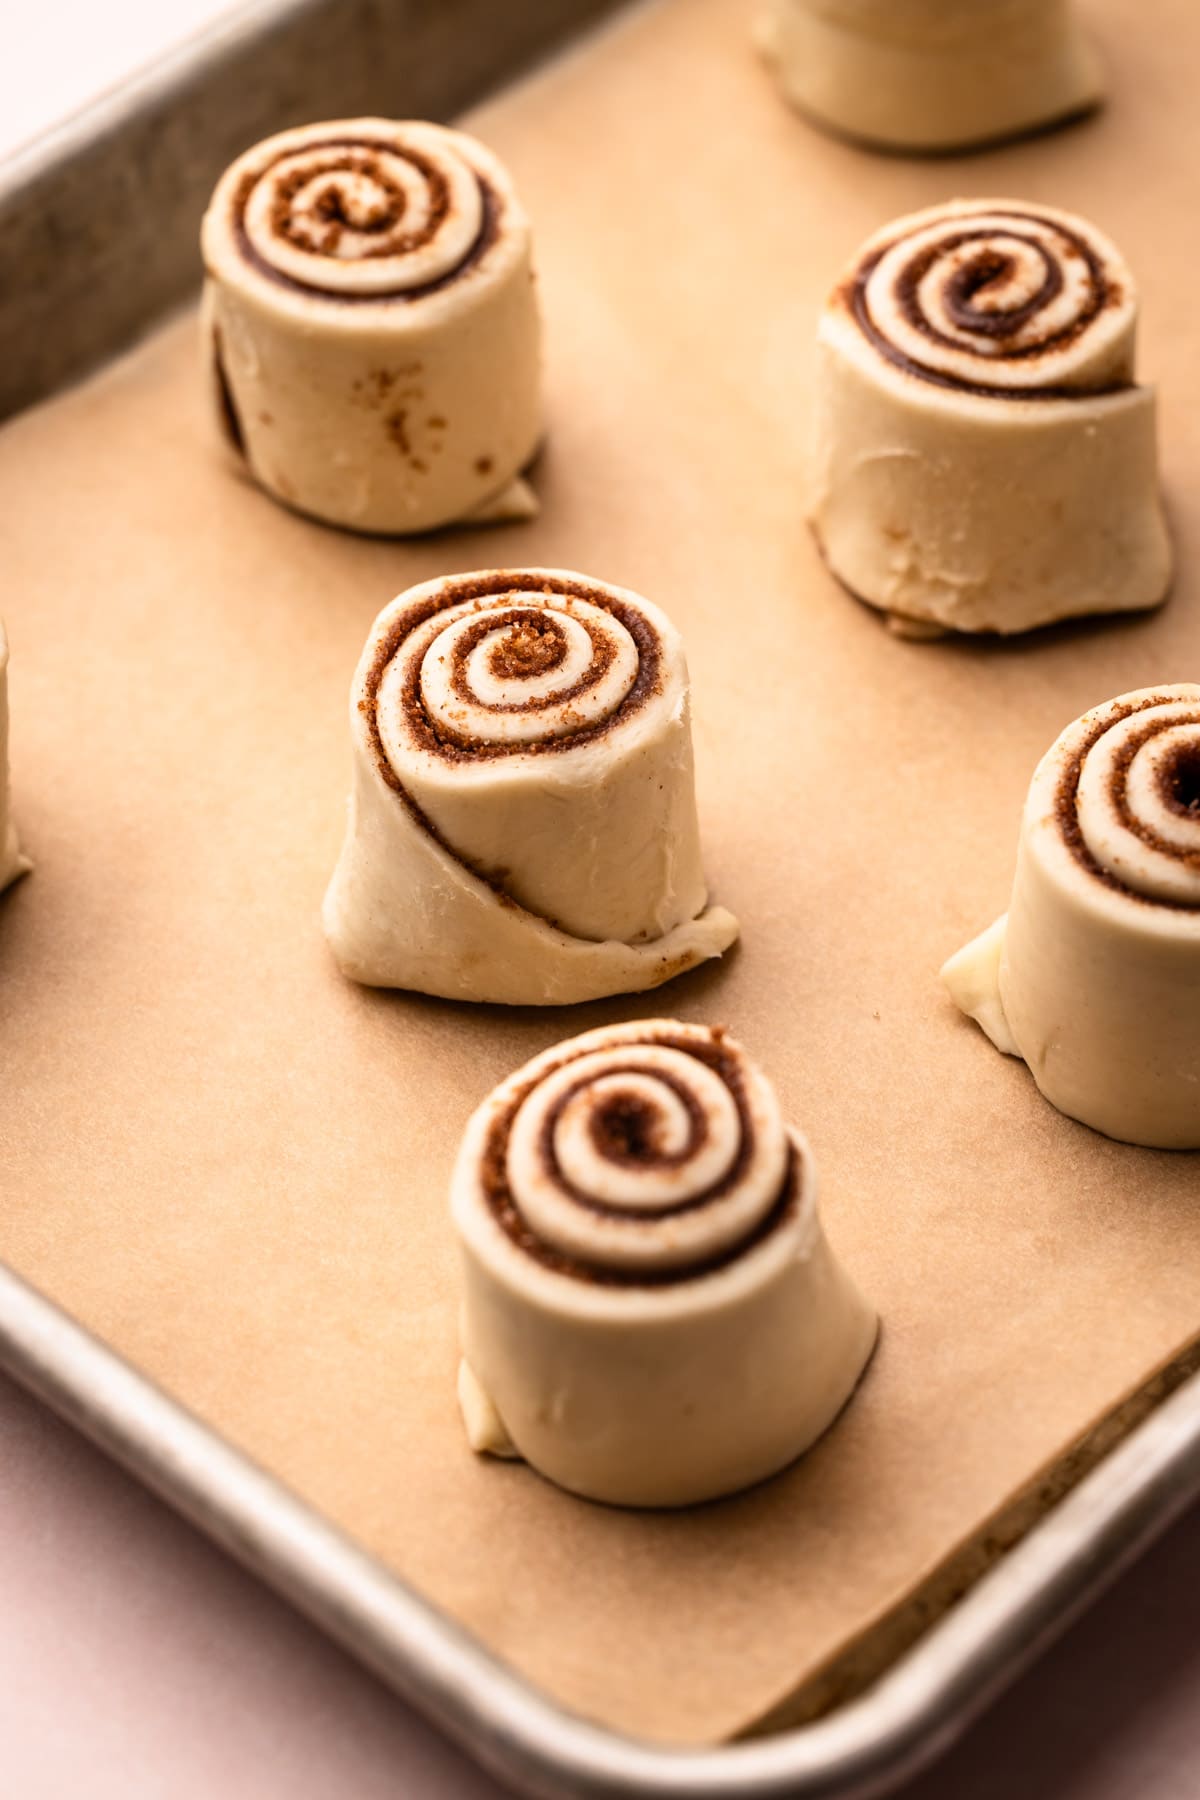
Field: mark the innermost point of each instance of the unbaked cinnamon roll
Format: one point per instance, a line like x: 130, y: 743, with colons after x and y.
x: 931, y: 75
x: 523, y: 819
x: 12, y: 863
x: 373, y: 326
x: 1093, y: 976
x: 984, y: 459
x: 652, y: 1314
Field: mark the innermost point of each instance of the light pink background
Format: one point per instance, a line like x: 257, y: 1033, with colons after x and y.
x: 136, y: 1662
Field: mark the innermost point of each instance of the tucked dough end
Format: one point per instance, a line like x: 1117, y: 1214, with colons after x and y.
x: 972, y: 979
x: 517, y: 504
x: 484, y: 1426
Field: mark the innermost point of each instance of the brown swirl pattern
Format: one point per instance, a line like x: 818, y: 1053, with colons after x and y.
x: 1128, y: 799
x: 511, y: 661
x: 642, y: 1156
x: 365, y: 218
x: 1014, y: 304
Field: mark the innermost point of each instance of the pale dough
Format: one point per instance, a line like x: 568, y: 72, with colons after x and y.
x: 372, y: 324
x: 931, y: 75
x: 662, y: 1319
x: 528, y: 836
x: 1093, y: 976
x: 983, y: 459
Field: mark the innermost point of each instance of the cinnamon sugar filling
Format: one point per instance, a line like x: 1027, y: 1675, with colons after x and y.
x: 1066, y: 798
x: 623, y: 1138
x: 361, y: 161
x: 958, y: 296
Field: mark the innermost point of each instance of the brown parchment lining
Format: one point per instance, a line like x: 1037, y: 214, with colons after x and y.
x: 233, y: 1165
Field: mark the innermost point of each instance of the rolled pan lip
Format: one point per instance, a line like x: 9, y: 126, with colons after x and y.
x: 912, y: 1713
x: 100, y: 214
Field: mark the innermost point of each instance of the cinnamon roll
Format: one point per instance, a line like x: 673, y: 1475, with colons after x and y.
x: 652, y: 1314
x: 984, y: 460
x: 372, y: 324
x: 1093, y: 976
x: 12, y: 863
x: 931, y: 75
x: 523, y: 819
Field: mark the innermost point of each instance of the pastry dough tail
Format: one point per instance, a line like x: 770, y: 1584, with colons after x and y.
x: 485, y: 1429
x: 516, y: 504
x: 12, y: 865
x: 972, y: 979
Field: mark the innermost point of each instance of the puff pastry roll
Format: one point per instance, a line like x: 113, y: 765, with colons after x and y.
x: 373, y: 325
x: 931, y: 75
x: 984, y: 459
x: 523, y: 817
x: 652, y: 1313
x: 1093, y: 976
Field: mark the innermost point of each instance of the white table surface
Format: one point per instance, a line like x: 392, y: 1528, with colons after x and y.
x: 59, y: 54
x: 137, y: 1663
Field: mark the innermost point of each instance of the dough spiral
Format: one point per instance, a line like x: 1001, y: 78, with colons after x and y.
x: 1129, y: 799
x: 366, y: 216
x: 1093, y: 975
x: 515, y: 668
x: 373, y: 326
x: 644, y: 1161
x: 1006, y: 302
x: 523, y: 823
x: 984, y: 459
x: 640, y: 1233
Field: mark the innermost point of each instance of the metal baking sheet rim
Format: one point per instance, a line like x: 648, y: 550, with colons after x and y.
x: 928, y: 1695
x: 914, y: 1711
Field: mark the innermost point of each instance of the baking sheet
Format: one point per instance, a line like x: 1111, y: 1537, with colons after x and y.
x: 122, y: 183
x: 232, y: 1165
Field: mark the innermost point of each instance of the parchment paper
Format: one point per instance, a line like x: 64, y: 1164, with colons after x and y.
x: 233, y: 1165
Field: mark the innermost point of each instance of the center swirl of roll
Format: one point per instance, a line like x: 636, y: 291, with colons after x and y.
x: 364, y: 218
x: 1137, y: 801
x: 506, y: 664
x: 528, y: 671
x: 992, y: 301
x: 645, y: 1158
